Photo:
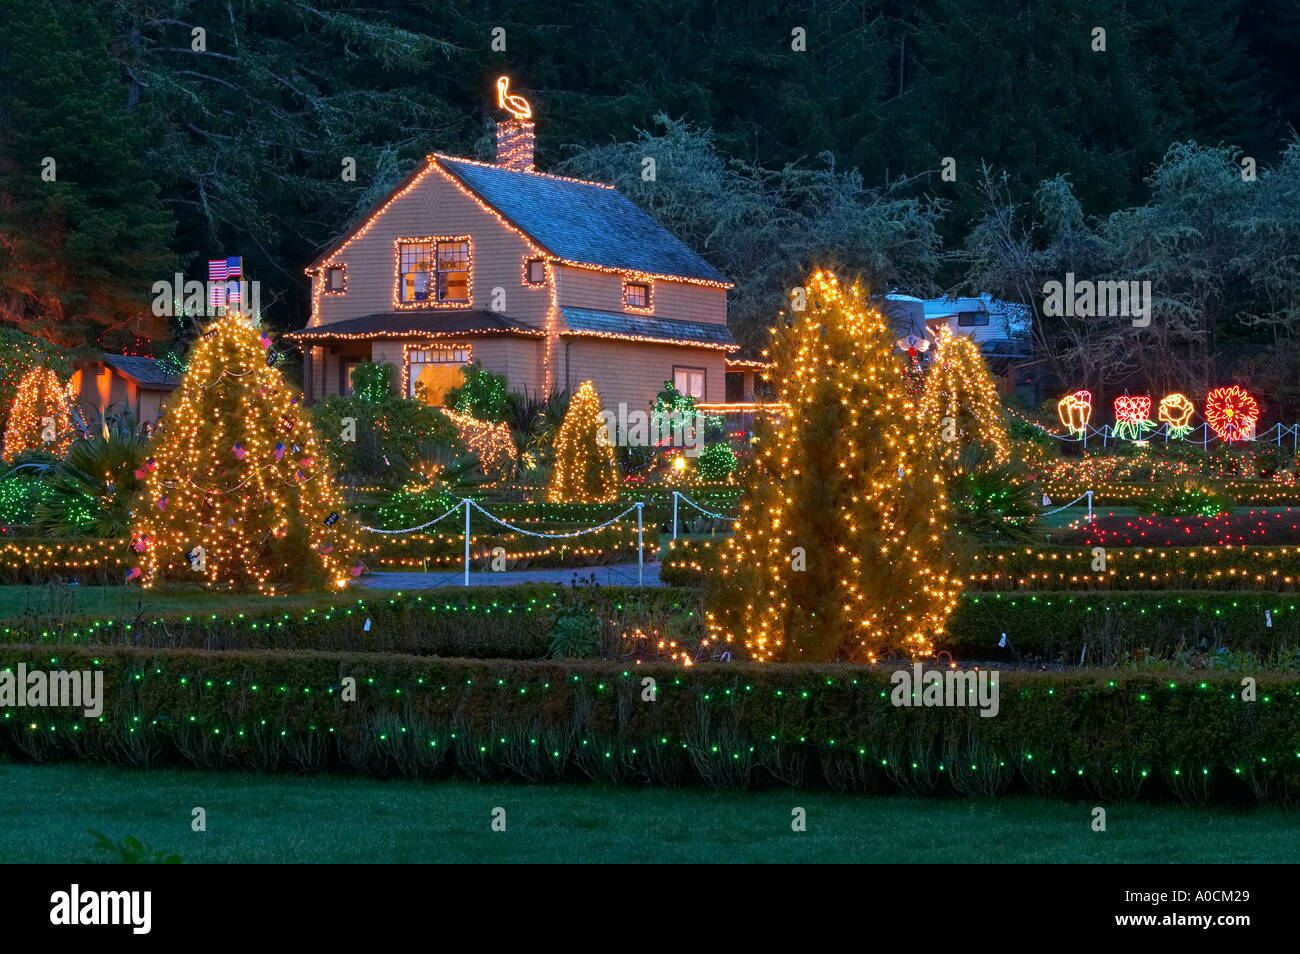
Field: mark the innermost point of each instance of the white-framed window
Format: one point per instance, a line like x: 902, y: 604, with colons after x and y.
x: 636, y: 296
x: 433, y: 271
x: 336, y: 280
x: 689, y: 381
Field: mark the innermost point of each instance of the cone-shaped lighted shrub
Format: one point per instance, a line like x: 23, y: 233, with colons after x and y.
x: 959, y: 404
x: 41, y: 418
x: 585, y: 469
x: 841, y: 549
x: 237, y: 492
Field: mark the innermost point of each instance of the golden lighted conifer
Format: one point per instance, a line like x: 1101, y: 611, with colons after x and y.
x: 585, y: 469
x: 237, y: 471
x: 959, y: 403
x: 41, y: 406
x: 841, y: 550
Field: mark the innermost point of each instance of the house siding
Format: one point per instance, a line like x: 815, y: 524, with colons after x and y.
x: 631, y: 372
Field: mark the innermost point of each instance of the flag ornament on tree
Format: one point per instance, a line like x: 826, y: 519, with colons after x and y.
x: 243, y: 520
x: 841, y: 548
x: 585, y: 469
x: 41, y: 418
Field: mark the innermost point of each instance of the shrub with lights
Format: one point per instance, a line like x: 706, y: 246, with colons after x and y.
x: 842, y: 549
x: 585, y: 470
x: 959, y: 404
x: 41, y: 418
x: 238, y: 493
x: 390, y: 438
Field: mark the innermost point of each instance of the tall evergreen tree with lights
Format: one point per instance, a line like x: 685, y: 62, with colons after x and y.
x: 959, y: 403
x: 238, y: 493
x: 585, y: 469
x: 841, y: 550
x: 42, y: 408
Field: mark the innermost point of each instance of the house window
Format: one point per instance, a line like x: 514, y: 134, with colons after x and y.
x: 431, y: 369
x: 336, y: 280
x: 636, y: 295
x: 346, y: 368
x: 972, y: 319
x: 534, y: 272
x: 433, y: 271
x: 690, y: 382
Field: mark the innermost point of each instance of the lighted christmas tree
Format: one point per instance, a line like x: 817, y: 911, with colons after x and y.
x: 585, y: 469
x: 41, y: 418
x: 841, y: 549
x: 959, y: 404
x: 237, y: 493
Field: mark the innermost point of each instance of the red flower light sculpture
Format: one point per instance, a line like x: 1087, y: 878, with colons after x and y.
x: 1232, y: 412
x: 1132, y: 413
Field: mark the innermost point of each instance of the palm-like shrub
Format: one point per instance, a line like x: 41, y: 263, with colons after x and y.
x: 988, y: 501
x: 1186, y: 498
x: 91, y: 491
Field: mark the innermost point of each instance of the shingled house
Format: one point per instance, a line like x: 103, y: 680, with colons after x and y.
x: 550, y: 281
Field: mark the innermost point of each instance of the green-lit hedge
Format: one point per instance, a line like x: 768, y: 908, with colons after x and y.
x: 515, y: 622
x: 1098, y: 734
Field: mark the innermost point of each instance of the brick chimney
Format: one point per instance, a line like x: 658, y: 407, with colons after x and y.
x: 515, y: 144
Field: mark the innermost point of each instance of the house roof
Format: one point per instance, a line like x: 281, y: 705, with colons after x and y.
x: 584, y: 223
x: 409, y: 324
x: 604, y: 324
x: 146, y: 372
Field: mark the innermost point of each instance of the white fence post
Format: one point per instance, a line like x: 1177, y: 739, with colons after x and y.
x: 467, y: 541
x: 675, y: 496
x: 640, y: 549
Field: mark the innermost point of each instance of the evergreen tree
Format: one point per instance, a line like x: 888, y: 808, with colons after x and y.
x: 841, y: 550
x: 238, y: 493
x: 83, y: 234
x: 959, y: 403
x: 585, y: 469
x: 41, y: 417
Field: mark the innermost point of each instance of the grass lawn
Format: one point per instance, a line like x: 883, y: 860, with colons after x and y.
x: 47, y: 810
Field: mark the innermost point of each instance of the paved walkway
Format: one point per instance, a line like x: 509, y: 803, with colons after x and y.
x: 620, y: 574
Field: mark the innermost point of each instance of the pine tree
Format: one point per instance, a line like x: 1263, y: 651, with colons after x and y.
x: 959, y: 403
x: 585, y: 469
x: 41, y: 418
x: 841, y: 547
x: 238, y: 493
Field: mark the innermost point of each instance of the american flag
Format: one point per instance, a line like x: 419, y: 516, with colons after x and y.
x: 221, y: 269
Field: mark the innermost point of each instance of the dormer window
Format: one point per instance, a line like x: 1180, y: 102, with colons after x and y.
x: 336, y: 280
x: 433, y: 271
x: 636, y: 296
x: 535, y: 272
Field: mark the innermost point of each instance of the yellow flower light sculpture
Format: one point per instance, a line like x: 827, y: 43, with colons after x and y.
x: 1176, y: 411
x: 1075, y: 410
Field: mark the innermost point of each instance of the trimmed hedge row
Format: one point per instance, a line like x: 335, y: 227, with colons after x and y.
x: 506, y: 622
x: 1273, y: 569
x: 1096, y: 734
x: 516, y: 622
x: 91, y: 561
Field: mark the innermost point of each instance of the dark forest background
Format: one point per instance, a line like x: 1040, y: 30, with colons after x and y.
x: 1125, y: 164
